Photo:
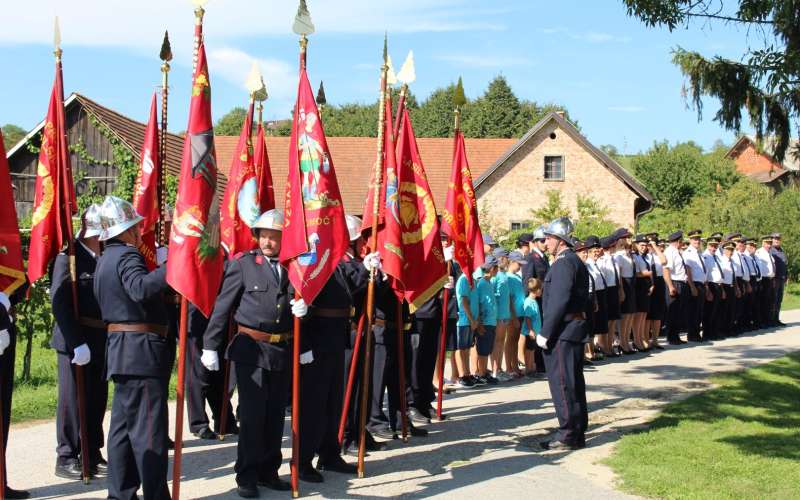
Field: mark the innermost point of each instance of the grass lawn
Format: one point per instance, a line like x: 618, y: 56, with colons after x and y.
x: 36, y: 399
x: 739, y: 440
x: 791, y: 297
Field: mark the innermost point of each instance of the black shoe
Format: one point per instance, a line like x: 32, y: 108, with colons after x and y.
x: 170, y: 444
x: 372, y: 445
x: 99, y: 467
x: 416, y: 431
x: 417, y: 416
x: 336, y: 464
x: 587, y: 362
x: 676, y: 342
x: 275, y: 483
x: 555, y: 445
x: 12, y: 493
x: 247, y: 491
x: 310, y: 475
x: 206, y: 433
x: 70, y: 469
x: 384, y: 433
x: 658, y: 346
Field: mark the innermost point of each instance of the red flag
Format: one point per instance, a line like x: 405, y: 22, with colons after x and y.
x: 240, y: 204
x: 145, y: 191
x: 12, y: 272
x: 194, y: 268
x: 425, y: 271
x: 314, y: 237
x: 266, y: 194
x: 460, y: 216
x: 54, y: 194
x: 390, y: 235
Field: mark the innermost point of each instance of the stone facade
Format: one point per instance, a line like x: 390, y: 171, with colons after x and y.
x: 508, y: 194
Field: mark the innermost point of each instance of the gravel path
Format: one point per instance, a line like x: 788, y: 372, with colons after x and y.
x: 487, y: 446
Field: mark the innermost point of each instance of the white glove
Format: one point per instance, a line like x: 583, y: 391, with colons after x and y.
x: 81, y: 355
x: 299, y: 307
x: 5, y: 340
x: 210, y: 360
x: 306, y: 358
x: 449, y: 252
x: 541, y: 341
x: 373, y: 261
x: 161, y: 255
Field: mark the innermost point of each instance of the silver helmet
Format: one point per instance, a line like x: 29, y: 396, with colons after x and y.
x: 353, y: 226
x: 271, y: 219
x: 92, y: 221
x: 562, y: 229
x: 538, y: 233
x: 117, y: 216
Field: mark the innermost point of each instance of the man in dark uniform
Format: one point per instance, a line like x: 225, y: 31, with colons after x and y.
x: 8, y: 342
x: 538, y: 268
x: 80, y: 341
x: 565, y: 328
x: 258, y: 293
x: 781, y: 276
x: 137, y: 356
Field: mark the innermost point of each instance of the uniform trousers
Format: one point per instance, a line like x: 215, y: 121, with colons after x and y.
x: 68, y: 430
x: 262, y: 410
x: 711, y: 313
x: 137, y: 438
x: 385, y: 377
x: 755, y: 305
x: 352, y: 425
x: 727, y: 311
x: 766, y: 302
x: 7, y: 386
x: 204, y: 385
x: 694, y: 313
x: 740, y: 310
x: 778, y: 285
x: 676, y: 310
x: 321, y: 393
x: 424, y: 350
x: 538, y: 352
x: 568, y: 389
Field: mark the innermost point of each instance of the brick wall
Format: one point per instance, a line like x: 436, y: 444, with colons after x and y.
x: 750, y: 161
x: 510, y: 193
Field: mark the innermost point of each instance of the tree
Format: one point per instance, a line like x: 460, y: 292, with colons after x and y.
x: 553, y: 208
x: 231, y: 122
x: 497, y: 113
x: 434, y: 117
x: 764, y: 82
x: 12, y: 134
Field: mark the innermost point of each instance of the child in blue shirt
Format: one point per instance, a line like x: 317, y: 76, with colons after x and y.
x: 466, y: 325
x: 531, y: 325
x: 485, y: 336
x: 503, y: 299
x: 515, y: 355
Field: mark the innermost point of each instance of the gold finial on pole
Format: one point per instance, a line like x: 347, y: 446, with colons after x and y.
x: 459, y: 99
x: 303, y: 27
x: 199, y: 12
x: 166, y: 56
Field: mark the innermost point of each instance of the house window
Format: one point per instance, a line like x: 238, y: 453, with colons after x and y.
x: 554, y: 168
x: 516, y: 226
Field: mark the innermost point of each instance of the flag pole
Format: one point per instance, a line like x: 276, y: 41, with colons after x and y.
x: 184, y: 310
x: 442, y: 345
x: 367, y: 368
x: 351, y: 376
x: 166, y: 57
x: 73, y: 273
x: 401, y: 105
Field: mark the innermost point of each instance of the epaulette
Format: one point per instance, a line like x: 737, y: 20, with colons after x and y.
x: 240, y: 255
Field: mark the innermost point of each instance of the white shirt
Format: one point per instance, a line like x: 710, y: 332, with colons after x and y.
x: 727, y: 268
x: 597, y: 274
x: 607, y: 266
x: 713, y: 267
x: 765, y: 263
x: 694, y: 262
x: 740, y: 266
x: 654, y: 262
x: 752, y: 265
x: 677, y: 269
x: 624, y: 264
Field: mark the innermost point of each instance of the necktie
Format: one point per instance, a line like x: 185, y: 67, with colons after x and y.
x: 702, y: 264
x: 273, y: 265
x: 602, y: 276
x: 716, y: 261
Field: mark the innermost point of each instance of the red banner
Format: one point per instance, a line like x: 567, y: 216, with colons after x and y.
x: 12, y: 272
x: 314, y: 237
x: 194, y: 268
x: 460, y: 216
x: 240, y: 204
x: 425, y: 271
x: 54, y: 195
x: 266, y: 194
x: 145, y: 191
x: 390, y: 235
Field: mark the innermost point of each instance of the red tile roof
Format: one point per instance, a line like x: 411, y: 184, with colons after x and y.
x: 354, y: 157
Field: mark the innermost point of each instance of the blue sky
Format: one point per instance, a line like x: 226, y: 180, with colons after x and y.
x: 612, y: 73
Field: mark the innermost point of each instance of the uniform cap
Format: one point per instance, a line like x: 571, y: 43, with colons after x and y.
x: 353, y: 226
x: 116, y: 217
x: 92, y: 221
x: 525, y: 238
x: 766, y: 238
x: 714, y: 238
x: 516, y: 256
x: 677, y: 235
x: 490, y: 262
x: 695, y: 233
x: 776, y: 236
x: 640, y: 238
x: 607, y: 241
x: 499, y: 252
x: 733, y: 236
x: 592, y: 242
x: 271, y: 219
x: 622, y: 233
x: 729, y: 245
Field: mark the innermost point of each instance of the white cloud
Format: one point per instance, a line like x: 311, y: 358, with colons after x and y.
x: 141, y: 23
x: 280, y: 77
x: 595, y: 37
x: 484, y: 61
x: 627, y: 109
